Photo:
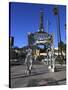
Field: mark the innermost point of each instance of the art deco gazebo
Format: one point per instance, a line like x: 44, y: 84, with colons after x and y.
x: 42, y: 38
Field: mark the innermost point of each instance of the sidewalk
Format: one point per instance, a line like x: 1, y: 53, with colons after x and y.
x: 40, y: 76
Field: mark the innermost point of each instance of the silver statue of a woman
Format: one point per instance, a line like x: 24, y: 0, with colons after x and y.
x: 28, y: 61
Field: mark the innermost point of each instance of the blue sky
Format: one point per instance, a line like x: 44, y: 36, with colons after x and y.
x: 25, y: 17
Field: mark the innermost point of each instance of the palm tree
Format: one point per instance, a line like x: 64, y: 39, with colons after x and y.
x: 63, y: 45
x: 56, y: 13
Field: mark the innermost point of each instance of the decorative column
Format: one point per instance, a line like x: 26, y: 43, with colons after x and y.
x: 50, y: 64
x: 47, y: 59
x: 53, y: 58
x: 41, y: 27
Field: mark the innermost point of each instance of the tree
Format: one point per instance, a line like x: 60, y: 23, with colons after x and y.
x: 62, y: 48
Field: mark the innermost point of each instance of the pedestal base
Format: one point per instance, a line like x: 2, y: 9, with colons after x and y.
x: 52, y: 70
x: 49, y: 67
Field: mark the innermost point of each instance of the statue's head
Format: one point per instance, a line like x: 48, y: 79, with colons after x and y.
x: 29, y: 51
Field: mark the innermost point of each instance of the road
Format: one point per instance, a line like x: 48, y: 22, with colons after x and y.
x: 40, y: 76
